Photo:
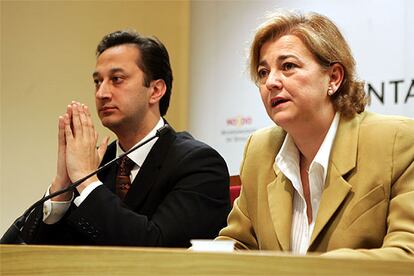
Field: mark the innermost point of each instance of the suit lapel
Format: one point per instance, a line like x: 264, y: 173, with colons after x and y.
x: 343, y: 160
x: 108, y: 175
x: 149, y: 172
x: 280, y: 194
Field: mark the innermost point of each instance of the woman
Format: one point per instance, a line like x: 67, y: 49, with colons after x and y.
x: 330, y: 177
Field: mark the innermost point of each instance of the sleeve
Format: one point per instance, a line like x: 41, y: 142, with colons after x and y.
x: 196, y: 206
x: 84, y: 194
x: 399, y: 239
x: 53, y: 211
x: 239, y: 226
x: 44, y: 216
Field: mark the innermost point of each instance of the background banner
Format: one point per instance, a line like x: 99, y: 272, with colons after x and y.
x: 225, y: 106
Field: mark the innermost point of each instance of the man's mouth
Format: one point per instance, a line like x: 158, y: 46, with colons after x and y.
x: 106, y: 109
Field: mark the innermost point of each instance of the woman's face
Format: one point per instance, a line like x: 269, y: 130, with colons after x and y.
x: 293, y: 86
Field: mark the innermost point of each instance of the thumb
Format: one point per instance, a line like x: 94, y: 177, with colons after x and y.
x: 102, y: 148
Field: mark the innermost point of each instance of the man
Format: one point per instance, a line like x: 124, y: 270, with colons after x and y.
x: 175, y: 189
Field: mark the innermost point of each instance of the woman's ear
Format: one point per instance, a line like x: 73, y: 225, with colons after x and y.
x: 336, y: 76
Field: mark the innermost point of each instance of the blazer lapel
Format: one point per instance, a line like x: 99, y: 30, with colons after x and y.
x: 149, y: 172
x: 279, y: 188
x: 343, y: 160
x: 280, y: 194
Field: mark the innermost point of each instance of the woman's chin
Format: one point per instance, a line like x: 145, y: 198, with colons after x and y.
x: 281, y: 119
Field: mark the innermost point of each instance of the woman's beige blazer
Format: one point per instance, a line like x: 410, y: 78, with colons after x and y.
x: 367, y: 206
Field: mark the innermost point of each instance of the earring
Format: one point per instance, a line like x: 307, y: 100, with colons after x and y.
x: 330, y: 91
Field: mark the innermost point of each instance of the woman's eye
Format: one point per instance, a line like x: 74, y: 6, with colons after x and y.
x: 288, y: 66
x: 262, y: 73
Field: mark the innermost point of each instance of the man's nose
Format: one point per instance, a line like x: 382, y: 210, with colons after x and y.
x: 274, y: 81
x: 104, y: 90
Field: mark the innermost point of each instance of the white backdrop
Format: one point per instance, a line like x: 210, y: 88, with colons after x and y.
x: 225, y: 106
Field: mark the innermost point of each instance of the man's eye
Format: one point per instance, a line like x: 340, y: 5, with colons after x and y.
x: 288, y: 66
x: 117, y: 80
x: 97, y: 82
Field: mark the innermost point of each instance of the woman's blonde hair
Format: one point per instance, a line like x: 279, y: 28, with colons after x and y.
x: 324, y: 40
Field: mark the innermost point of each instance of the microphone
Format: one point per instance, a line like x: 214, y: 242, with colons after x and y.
x: 12, y: 235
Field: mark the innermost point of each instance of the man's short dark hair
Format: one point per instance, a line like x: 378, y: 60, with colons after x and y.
x: 154, y: 61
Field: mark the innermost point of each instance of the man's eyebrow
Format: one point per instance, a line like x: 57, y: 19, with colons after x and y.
x: 111, y: 71
x: 116, y: 69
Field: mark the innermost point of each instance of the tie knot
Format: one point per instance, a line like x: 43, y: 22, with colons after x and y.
x: 125, y: 166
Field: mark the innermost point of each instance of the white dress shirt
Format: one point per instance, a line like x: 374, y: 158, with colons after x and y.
x: 288, y: 162
x: 53, y: 211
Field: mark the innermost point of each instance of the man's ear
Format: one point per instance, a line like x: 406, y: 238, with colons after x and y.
x: 158, y: 88
x: 336, y: 76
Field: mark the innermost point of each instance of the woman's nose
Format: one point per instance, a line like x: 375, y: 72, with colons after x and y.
x: 273, y: 81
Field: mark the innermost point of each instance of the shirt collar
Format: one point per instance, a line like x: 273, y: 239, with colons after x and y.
x: 289, y: 153
x: 139, y: 155
x: 322, y: 156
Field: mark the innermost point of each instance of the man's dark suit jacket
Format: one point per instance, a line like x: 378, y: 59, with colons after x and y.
x: 180, y: 193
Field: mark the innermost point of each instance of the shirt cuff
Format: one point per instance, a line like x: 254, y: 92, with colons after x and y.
x: 79, y: 199
x: 53, y: 211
